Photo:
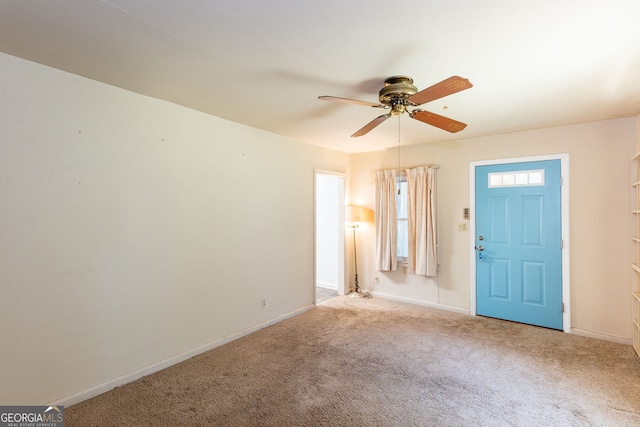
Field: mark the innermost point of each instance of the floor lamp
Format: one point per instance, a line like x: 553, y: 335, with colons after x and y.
x: 355, y: 215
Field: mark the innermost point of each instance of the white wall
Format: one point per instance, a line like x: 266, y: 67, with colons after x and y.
x: 135, y: 231
x: 599, y: 217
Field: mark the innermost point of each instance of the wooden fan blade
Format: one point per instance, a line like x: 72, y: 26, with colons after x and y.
x: 351, y: 101
x: 439, y: 90
x: 438, y: 121
x: 373, y: 123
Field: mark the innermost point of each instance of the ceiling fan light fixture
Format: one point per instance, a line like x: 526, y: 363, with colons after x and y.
x: 397, y: 109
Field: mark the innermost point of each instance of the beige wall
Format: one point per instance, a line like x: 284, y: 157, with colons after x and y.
x: 136, y: 233
x: 638, y: 135
x: 599, y: 155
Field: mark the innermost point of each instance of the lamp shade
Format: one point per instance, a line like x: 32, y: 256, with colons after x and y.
x: 359, y: 214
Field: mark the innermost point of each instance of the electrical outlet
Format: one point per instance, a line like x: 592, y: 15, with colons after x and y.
x: 376, y: 280
x: 463, y: 226
x: 263, y: 303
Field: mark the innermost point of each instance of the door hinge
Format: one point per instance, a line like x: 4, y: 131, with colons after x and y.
x: 563, y: 307
x: 561, y: 181
x: 561, y: 243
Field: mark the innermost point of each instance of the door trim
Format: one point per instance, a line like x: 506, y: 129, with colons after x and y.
x: 564, y: 194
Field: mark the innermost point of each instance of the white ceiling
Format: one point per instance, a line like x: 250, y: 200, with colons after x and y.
x: 262, y: 63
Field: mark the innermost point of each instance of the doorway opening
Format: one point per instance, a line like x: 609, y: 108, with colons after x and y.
x: 329, y: 280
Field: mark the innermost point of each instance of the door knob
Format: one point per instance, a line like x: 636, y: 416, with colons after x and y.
x: 480, y: 248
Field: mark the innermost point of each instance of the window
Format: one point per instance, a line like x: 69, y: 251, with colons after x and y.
x: 528, y: 178
x: 406, y: 221
x: 401, y: 218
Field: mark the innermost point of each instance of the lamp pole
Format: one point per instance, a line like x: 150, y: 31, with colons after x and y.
x: 356, y: 288
x: 356, y: 292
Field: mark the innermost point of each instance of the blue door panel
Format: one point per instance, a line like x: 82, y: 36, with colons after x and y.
x: 499, y: 280
x: 519, y: 270
x: 499, y: 208
x: 533, y: 283
x: 532, y: 221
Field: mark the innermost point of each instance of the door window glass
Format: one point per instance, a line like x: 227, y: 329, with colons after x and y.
x: 528, y: 178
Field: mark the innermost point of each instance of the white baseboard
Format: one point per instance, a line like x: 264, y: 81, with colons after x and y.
x: 132, y: 376
x: 575, y: 331
x: 327, y: 285
x: 605, y: 337
x: 422, y: 303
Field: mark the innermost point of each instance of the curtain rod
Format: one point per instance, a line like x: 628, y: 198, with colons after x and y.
x: 434, y: 166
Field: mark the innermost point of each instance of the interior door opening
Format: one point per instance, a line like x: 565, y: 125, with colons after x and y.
x: 329, y: 278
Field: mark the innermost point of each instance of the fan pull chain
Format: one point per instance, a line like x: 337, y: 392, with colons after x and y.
x: 399, y: 143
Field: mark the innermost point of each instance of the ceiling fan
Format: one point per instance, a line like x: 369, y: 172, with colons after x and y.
x: 399, y: 93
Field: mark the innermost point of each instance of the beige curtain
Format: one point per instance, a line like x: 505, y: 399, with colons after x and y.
x: 421, y: 220
x: 385, y: 220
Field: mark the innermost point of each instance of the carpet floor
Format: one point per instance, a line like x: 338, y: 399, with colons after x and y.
x: 374, y: 362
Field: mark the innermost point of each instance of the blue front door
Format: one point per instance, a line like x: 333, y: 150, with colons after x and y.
x: 519, y: 242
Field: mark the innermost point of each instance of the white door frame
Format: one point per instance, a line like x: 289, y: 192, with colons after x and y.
x: 564, y: 173
x: 341, y: 231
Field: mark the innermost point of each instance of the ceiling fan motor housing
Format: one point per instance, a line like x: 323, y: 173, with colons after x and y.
x: 395, y: 93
